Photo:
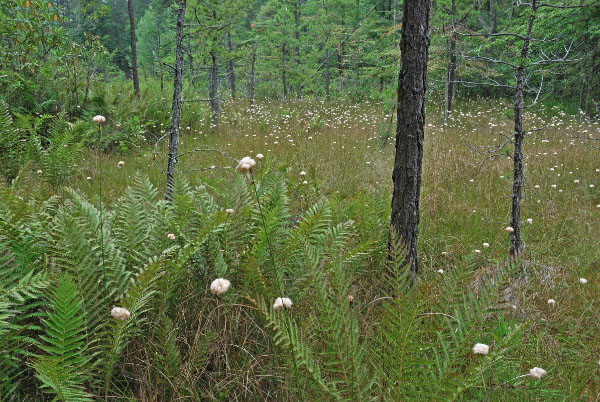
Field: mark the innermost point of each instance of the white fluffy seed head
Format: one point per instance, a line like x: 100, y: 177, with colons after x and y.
x: 551, y: 301
x: 486, y: 245
x: 219, y: 286
x: 509, y: 229
x: 230, y: 210
x: 259, y: 156
x: 303, y: 173
x: 120, y: 313
x: 99, y: 119
x: 171, y: 236
x: 537, y: 373
x: 246, y: 164
x: 282, y: 302
x: 481, y: 349
x: 583, y: 281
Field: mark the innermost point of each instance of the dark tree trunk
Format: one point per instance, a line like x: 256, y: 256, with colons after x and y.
x: 252, y: 75
x: 493, y: 17
x: 177, y: 101
x: 339, y: 65
x: 213, y: 86
x: 162, y: 70
x: 414, y: 45
x: 395, y: 22
x: 191, y: 63
x: 297, y: 29
x: 451, y: 68
x: 327, y: 78
x: 134, y: 69
x: 230, y: 66
x: 283, y: 78
x: 515, y: 213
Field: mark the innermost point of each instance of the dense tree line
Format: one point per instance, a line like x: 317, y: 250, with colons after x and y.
x: 283, y: 49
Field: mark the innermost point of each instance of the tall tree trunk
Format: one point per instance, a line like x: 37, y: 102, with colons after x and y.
x: 414, y: 46
x: 177, y: 101
x: 283, y: 78
x: 451, y: 68
x: 162, y: 70
x: 395, y: 33
x: 493, y: 17
x: 297, y: 29
x: 252, y: 75
x: 213, y: 86
x: 230, y: 66
x: 134, y: 69
x: 327, y: 78
x: 339, y: 65
x: 515, y: 213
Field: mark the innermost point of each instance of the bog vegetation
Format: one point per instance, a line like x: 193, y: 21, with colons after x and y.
x: 271, y: 272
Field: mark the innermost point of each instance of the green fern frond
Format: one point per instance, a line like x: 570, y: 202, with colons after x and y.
x: 62, y: 371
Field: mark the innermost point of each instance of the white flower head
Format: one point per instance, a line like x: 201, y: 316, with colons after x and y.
x: 509, y: 229
x: 219, y: 286
x: 305, y: 182
x: 39, y: 171
x: 477, y: 251
x: 230, y: 210
x: 583, y: 281
x: 246, y: 164
x: 486, y: 245
x: 171, y: 236
x: 481, y: 349
x: 440, y: 271
x: 99, y: 119
x: 529, y: 220
x: 120, y: 313
x: 551, y: 301
x: 537, y: 373
x: 282, y: 302
x: 303, y: 173
x: 120, y: 164
x: 259, y: 156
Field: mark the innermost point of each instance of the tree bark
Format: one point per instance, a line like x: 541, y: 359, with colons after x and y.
x: 252, y: 75
x: 177, y: 101
x: 493, y: 17
x: 450, y: 69
x: 339, y: 65
x: 283, y: 77
x: 134, y: 69
x: 162, y: 69
x: 231, y: 72
x: 327, y: 78
x: 297, y: 29
x: 414, y: 46
x: 213, y: 86
x: 515, y: 214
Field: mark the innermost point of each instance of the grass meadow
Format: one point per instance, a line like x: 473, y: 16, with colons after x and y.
x: 346, y: 153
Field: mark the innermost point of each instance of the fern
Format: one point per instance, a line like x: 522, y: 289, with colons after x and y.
x: 13, y: 145
x: 62, y: 371
x: 58, y: 161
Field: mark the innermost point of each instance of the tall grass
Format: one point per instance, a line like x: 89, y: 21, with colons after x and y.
x: 328, y: 242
